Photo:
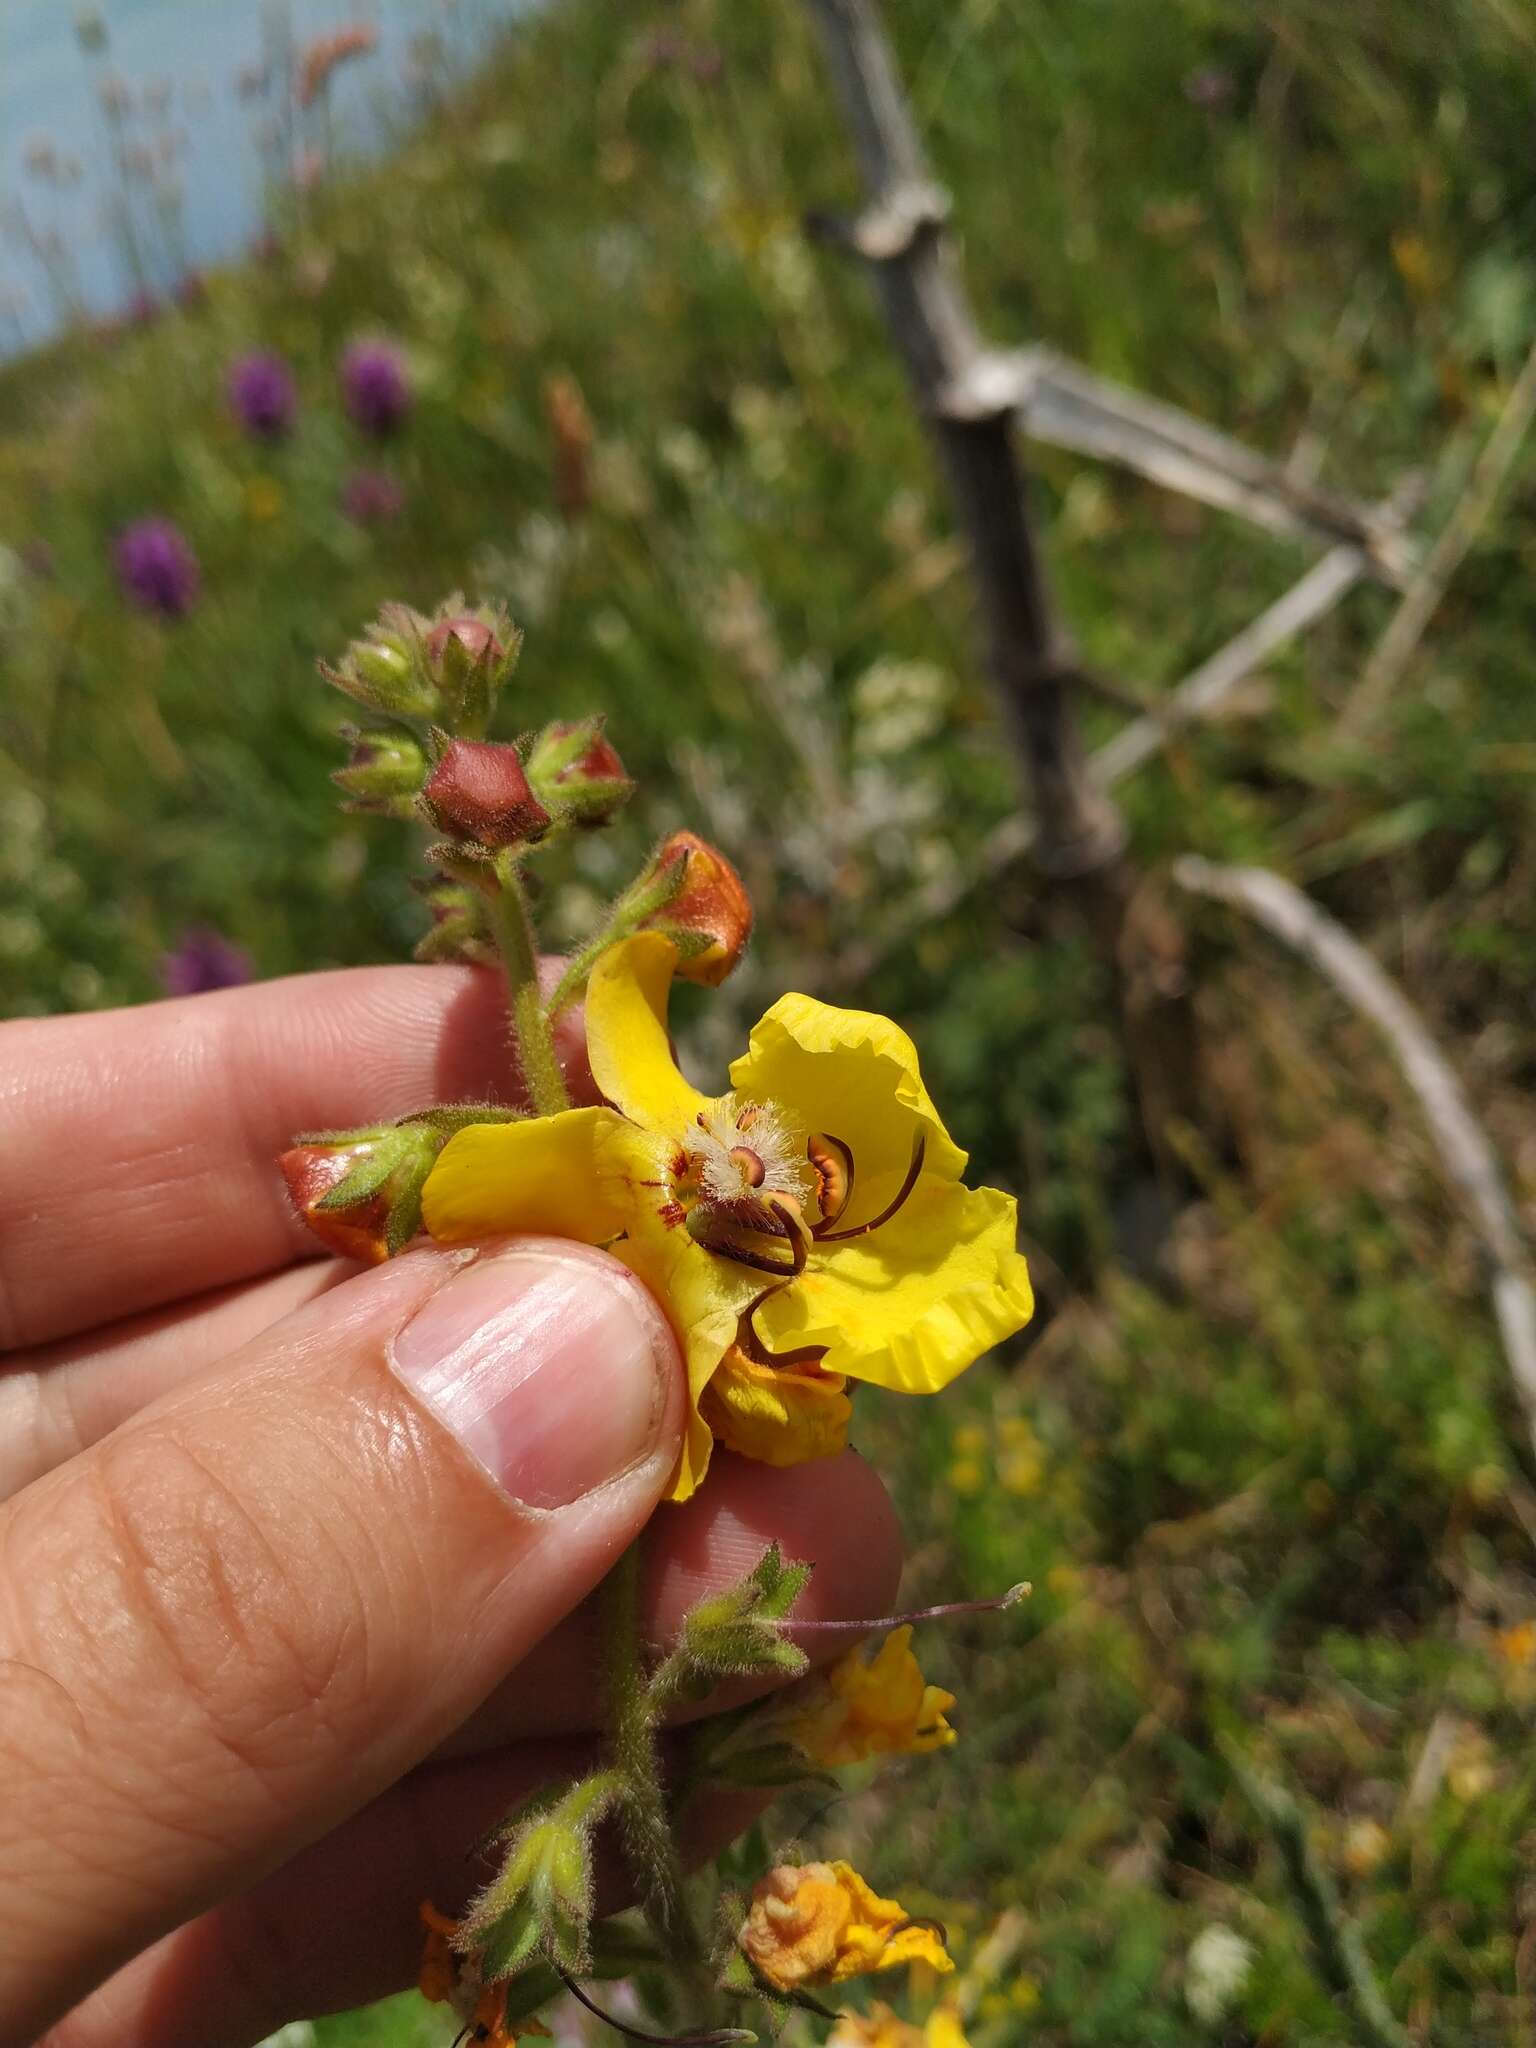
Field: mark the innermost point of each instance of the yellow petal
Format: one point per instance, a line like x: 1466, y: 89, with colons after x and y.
x: 942, y: 2029
x: 627, y: 1043
x: 916, y: 1301
x: 565, y: 1175
x: 778, y: 1415
x: 855, y: 1076
x: 705, y: 1298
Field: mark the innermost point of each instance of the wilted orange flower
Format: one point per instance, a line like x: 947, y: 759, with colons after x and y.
x: 820, y: 1923
x: 360, y: 1231
x: 880, y: 2028
x: 446, y: 1978
x: 860, y: 1709
x: 711, y: 914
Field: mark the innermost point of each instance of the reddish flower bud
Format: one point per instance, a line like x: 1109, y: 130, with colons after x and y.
x: 597, y: 762
x: 710, y: 916
x: 359, y: 1231
x: 479, y: 791
x: 576, y: 770
x: 472, y: 634
x: 360, y: 1191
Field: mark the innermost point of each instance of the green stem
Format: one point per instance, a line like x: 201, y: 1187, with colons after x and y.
x: 632, y: 1715
x: 531, y: 1030
x: 1337, y: 1950
x: 579, y: 966
x: 644, y: 896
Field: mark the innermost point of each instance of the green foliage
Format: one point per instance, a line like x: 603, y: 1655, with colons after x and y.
x: 1264, y: 1470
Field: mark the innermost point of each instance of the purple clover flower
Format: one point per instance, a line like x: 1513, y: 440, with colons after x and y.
x: 156, y: 568
x: 375, y: 386
x: 203, y: 959
x: 263, y: 395
x: 372, y: 497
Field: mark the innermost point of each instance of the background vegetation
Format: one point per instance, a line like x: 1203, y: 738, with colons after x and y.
x: 1258, y: 1454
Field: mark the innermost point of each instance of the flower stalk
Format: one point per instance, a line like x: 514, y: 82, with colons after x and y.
x: 805, y: 1231
x: 532, y: 1031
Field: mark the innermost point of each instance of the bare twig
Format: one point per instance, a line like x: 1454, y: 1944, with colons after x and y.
x: 1206, y: 688
x: 1464, y: 1148
x: 1071, y: 407
x: 1337, y: 1950
x: 1457, y: 538
x: 901, y: 235
x: 1200, y: 695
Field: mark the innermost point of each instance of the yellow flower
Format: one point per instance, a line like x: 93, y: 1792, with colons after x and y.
x: 819, y: 1923
x: 880, y: 2028
x: 807, y: 1228
x: 263, y: 500
x: 1517, y: 1645
x: 858, y: 1710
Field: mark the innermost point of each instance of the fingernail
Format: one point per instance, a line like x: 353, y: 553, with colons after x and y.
x: 549, y: 1364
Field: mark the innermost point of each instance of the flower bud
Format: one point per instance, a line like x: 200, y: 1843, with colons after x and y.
x: 709, y: 917
x: 457, y: 930
x: 575, y: 769
x: 474, y: 638
x: 360, y: 1191
x: 469, y: 652
x: 386, y: 669
x: 386, y: 771
x: 479, y: 792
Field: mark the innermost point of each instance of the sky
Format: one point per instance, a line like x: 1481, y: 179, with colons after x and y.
x: 189, y: 53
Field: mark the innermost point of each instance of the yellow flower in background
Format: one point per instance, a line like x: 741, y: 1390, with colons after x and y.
x: 820, y: 1923
x: 881, y: 2028
x: 858, y: 1709
x: 807, y: 1228
x: 263, y: 500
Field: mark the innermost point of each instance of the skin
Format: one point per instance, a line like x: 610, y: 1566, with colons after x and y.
x: 273, y: 1651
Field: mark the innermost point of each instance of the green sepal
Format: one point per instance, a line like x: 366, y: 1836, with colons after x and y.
x: 738, y: 1633
x: 776, y: 1765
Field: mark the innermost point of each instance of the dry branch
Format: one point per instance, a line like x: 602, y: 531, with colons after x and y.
x: 901, y: 235
x: 1457, y: 538
x: 1070, y: 407
x: 1464, y: 1148
x: 1199, y: 696
x: 1206, y: 688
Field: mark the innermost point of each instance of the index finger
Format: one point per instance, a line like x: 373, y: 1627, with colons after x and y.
x: 138, y: 1145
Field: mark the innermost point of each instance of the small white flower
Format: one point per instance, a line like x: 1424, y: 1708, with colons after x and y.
x: 1215, y: 1971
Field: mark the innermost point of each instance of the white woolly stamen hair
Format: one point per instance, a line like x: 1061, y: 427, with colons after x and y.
x: 757, y: 1127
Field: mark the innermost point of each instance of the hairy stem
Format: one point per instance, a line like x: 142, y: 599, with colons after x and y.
x: 632, y: 1709
x: 531, y: 1029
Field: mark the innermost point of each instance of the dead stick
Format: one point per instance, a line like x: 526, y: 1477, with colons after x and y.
x: 901, y: 235
x: 1464, y: 1147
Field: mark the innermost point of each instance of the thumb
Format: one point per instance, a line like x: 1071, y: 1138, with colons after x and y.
x: 237, y: 1619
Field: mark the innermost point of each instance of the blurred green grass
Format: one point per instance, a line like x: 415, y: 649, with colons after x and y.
x: 1271, y: 1485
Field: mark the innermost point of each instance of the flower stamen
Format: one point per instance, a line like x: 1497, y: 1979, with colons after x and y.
x: 832, y: 1163
x: 898, y: 1201
x: 753, y: 1171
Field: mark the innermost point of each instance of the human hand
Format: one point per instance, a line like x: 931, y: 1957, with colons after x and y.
x: 292, y: 1558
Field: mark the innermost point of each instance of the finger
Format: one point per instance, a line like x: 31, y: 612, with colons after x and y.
x: 834, y: 1512
x: 338, y: 1926
x: 63, y: 1399
x: 138, y: 1144
x: 238, y: 1619
x: 57, y: 1401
